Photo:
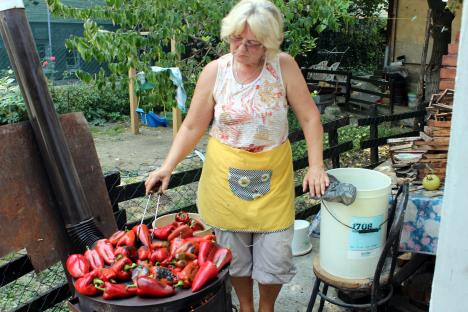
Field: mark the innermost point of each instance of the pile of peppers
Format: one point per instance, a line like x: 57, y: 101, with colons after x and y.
x: 149, y: 262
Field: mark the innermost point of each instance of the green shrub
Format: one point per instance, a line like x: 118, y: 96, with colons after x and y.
x: 98, y: 105
x: 12, y: 108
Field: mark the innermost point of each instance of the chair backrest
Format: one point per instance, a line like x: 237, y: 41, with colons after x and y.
x: 395, y: 218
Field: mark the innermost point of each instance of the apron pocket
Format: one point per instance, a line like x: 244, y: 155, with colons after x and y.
x: 249, y: 184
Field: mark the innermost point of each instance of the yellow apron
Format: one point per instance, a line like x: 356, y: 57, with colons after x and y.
x: 247, y: 192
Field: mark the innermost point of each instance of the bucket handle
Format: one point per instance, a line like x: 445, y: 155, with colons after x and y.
x: 360, y: 231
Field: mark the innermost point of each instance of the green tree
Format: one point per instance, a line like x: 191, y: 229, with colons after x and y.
x: 144, y: 29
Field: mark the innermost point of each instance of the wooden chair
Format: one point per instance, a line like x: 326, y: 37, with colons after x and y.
x: 380, y: 286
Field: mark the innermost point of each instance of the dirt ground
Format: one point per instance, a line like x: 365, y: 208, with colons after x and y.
x: 119, y: 149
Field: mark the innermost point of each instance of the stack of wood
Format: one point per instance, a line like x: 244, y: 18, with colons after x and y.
x: 405, y: 156
x: 436, y: 135
x: 415, y: 157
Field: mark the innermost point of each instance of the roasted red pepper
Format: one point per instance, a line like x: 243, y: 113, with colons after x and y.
x: 122, y: 268
x: 84, y: 285
x: 106, y: 274
x: 119, y: 265
x: 164, y: 275
x: 188, y: 247
x: 181, y: 231
x: 175, y: 244
x: 199, y: 239
x: 139, y: 271
x: 127, y: 240
x: 182, y: 217
x: 185, y: 256
x: 207, y: 251
x: 222, y: 257
x: 105, y: 250
x: 94, y: 259
x: 159, y: 243
x: 77, y: 265
x: 127, y: 251
x: 206, y: 273
x: 186, y: 276
x: 149, y: 287
x: 116, y: 237
x: 144, y: 253
x: 115, y: 291
x: 143, y: 234
x: 159, y: 255
x: 196, y: 225
x: 163, y: 232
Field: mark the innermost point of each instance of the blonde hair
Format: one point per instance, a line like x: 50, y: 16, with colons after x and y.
x: 264, y: 20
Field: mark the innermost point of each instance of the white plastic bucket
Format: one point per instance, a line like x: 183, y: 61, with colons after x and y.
x: 301, y: 242
x: 345, y: 252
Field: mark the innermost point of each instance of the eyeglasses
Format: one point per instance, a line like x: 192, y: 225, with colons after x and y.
x: 248, y: 44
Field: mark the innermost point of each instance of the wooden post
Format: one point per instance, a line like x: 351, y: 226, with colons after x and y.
x: 176, y: 112
x: 134, y: 124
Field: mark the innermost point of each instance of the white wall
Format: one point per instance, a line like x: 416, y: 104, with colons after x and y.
x: 450, y: 285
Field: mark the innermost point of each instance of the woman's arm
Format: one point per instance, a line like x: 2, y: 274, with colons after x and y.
x: 308, y: 115
x: 192, y: 129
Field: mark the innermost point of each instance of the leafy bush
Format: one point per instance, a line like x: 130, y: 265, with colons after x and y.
x: 12, y: 108
x: 98, y: 105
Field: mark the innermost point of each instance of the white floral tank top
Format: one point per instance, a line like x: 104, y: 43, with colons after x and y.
x: 250, y: 116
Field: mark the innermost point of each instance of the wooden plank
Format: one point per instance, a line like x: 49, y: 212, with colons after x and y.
x: 441, y: 133
x: 433, y: 147
x: 439, y: 123
x: 434, y: 142
x: 382, y: 141
x: 435, y: 156
x: 425, y: 137
x: 176, y: 120
x: 402, y: 146
x: 405, y: 139
x: 176, y: 112
x: 134, y: 122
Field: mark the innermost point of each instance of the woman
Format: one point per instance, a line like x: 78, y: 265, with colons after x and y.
x: 246, y: 191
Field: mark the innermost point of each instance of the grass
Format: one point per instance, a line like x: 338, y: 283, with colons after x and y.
x: 112, y: 130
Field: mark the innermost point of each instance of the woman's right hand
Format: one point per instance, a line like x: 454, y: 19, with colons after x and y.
x: 158, y: 181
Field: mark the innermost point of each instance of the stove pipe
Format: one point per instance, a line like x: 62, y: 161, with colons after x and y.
x: 72, y: 204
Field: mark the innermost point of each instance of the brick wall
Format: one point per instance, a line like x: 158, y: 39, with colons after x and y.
x: 449, y: 67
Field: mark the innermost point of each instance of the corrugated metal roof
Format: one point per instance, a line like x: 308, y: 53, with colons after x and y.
x: 36, y: 10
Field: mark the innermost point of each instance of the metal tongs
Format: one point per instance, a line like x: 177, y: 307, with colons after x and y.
x: 146, y: 209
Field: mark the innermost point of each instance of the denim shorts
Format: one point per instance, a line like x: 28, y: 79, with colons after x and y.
x: 266, y: 257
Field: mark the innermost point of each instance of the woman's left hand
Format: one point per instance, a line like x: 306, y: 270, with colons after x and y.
x: 316, y: 181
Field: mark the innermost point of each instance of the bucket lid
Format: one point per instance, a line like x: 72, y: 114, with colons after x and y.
x: 368, y: 183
